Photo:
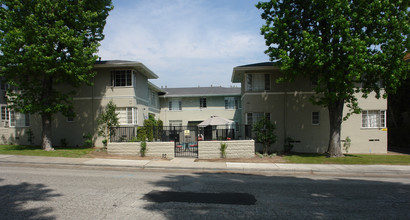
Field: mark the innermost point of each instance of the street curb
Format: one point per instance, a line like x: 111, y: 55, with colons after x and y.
x: 228, y: 170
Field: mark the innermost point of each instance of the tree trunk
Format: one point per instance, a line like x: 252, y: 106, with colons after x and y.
x: 46, y: 134
x: 335, y: 118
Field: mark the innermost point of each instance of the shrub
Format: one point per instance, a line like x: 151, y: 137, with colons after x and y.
x: 265, y: 133
x: 143, y: 149
x: 88, y: 142
x: 346, y: 144
x: 107, y: 122
x: 224, y: 146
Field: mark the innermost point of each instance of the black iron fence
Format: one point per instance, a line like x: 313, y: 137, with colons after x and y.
x: 183, y: 133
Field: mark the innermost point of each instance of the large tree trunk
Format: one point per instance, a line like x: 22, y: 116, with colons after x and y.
x: 46, y: 134
x: 335, y: 118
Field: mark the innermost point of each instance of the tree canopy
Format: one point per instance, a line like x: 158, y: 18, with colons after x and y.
x: 345, y: 46
x: 45, y: 44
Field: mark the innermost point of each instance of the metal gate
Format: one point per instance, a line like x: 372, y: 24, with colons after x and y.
x: 186, y: 141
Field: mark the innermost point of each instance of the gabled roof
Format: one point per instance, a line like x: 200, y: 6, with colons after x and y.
x: 201, y: 91
x: 237, y: 73
x: 122, y: 64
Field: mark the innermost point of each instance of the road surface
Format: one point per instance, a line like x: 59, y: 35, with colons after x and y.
x: 87, y: 193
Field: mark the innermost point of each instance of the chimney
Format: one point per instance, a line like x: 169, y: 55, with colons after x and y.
x: 99, y: 58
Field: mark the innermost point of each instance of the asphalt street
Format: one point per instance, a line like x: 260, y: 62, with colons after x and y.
x: 98, y: 193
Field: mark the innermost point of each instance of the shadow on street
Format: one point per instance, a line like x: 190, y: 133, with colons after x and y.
x: 14, y: 200
x: 285, y: 197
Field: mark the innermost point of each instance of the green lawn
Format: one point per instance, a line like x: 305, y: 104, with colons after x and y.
x: 349, y: 159
x: 37, y: 151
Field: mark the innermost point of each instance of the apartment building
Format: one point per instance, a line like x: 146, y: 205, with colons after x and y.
x: 287, y: 105
x: 191, y: 106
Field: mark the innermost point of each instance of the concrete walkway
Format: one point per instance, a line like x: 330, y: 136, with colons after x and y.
x: 188, y: 164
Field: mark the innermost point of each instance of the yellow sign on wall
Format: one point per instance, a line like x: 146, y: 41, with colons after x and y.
x: 186, y: 132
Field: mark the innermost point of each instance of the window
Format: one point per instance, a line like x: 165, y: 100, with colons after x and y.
x: 175, y: 105
x: 202, y: 102
x: 70, y: 119
x: 121, y: 78
x: 257, y: 82
x: 177, y: 123
x: 315, y: 118
x: 127, y: 115
x: 4, y: 113
x: 253, y: 117
x: 231, y: 103
x: 153, y: 98
x: 374, y: 119
x: 19, y: 119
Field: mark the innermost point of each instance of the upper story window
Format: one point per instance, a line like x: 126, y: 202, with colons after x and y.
x: 175, y: 105
x: 231, y: 103
x: 202, y: 102
x: 153, y: 98
x: 121, y: 78
x: 258, y: 82
x: 374, y: 119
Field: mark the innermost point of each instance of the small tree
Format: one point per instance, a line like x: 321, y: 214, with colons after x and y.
x: 264, y: 131
x: 107, y: 122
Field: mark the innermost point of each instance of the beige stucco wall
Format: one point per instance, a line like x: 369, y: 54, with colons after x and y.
x: 154, y: 149
x: 235, y: 149
x: 365, y: 140
x: 291, y: 112
x: 192, y: 112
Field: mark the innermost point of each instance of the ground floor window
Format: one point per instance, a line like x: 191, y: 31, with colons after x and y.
x: 254, y: 117
x: 315, y: 118
x: 374, y: 119
x: 177, y: 123
x: 127, y: 115
x: 14, y: 119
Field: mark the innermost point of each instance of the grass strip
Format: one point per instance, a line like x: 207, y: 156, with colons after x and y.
x: 38, y: 151
x: 349, y: 159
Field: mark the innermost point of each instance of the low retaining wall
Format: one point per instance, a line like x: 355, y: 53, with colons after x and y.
x: 154, y: 149
x: 235, y: 149
x: 206, y: 149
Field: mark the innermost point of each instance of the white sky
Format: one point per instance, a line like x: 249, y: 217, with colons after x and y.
x: 187, y: 43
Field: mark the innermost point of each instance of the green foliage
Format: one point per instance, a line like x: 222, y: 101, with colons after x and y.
x: 88, y: 140
x: 346, y: 144
x: 265, y: 133
x: 223, y: 148
x: 143, y: 149
x: 344, y: 46
x: 141, y: 134
x: 153, y: 128
x: 48, y: 50
x: 107, y: 122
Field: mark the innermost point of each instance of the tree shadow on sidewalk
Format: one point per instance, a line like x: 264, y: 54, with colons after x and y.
x: 280, y: 197
x: 19, y: 201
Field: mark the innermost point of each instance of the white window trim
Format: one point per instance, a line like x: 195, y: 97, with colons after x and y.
x: 134, y: 115
x: 179, y: 105
x: 380, y: 122
x: 13, y: 123
x: 132, y: 78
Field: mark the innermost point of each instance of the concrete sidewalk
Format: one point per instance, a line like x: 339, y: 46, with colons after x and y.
x: 188, y: 164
